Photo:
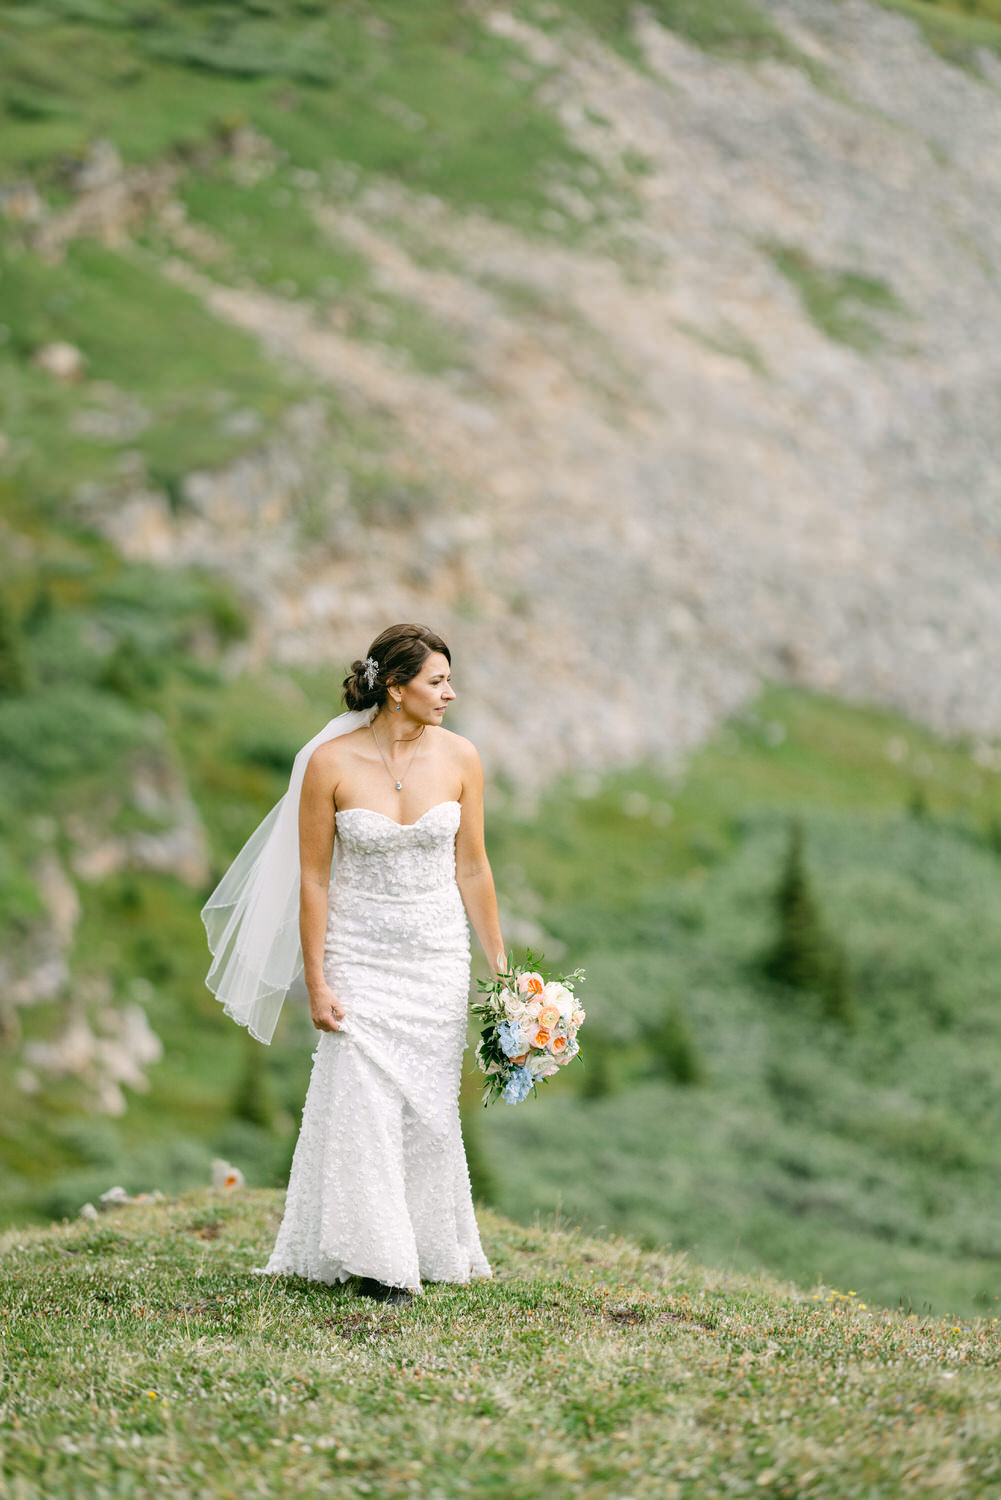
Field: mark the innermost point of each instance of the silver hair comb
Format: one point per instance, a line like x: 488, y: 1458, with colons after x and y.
x: 371, y: 670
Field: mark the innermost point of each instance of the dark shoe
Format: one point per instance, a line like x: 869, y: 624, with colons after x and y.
x: 398, y: 1295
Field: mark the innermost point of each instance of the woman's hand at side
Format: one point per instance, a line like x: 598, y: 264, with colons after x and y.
x: 325, y: 1009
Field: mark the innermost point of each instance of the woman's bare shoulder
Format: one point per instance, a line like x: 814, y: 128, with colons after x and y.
x: 333, y: 754
x: 460, y: 750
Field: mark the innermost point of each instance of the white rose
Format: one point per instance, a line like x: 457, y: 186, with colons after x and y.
x: 515, y: 1010
x: 541, y: 1065
x: 561, y: 997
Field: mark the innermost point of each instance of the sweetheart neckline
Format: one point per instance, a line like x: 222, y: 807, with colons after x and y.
x: 448, y: 801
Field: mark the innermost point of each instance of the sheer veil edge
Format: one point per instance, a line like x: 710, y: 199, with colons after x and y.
x: 252, y: 917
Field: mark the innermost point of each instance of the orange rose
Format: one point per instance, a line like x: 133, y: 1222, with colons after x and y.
x: 557, y: 1044
x: 542, y: 1037
x: 520, y: 1059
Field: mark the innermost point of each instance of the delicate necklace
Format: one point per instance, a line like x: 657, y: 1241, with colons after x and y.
x: 399, y: 784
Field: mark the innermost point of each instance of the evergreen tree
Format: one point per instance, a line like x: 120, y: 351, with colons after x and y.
x: 14, y: 674
x: 595, y: 1075
x: 994, y: 832
x: 251, y: 1099
x: 674, y: 1051
x: 798, y: 956
x: 917, y: 804
x: 836, y: 993
x: 40, y: 610
x: 804, y: 955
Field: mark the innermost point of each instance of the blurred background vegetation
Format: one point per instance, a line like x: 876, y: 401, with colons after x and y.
x: 792, y: 946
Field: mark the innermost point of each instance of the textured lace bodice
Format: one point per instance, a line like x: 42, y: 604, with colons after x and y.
x: 374, y: 853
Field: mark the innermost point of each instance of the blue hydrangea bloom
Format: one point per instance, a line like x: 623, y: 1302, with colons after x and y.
x: 518, y: 1085
x: 512, y: 1039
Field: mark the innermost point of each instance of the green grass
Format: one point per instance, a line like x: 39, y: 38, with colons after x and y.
x: 955, y: 29
x: 741, y: 30
x: 730, y: 28
x: 147, y: 338
x: 726, y: 340
x: 422, y: 94
x: 425, y: 97
x: 268, y: 237
x: 142, y: 1356
x: 847, y: 306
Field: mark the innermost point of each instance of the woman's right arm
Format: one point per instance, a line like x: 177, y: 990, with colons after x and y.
x: 316, y: 849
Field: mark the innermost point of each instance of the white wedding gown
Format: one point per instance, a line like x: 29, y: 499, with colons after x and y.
x: 379, y: 1184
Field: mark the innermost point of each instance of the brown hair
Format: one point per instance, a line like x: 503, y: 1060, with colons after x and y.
x: 401, y: 651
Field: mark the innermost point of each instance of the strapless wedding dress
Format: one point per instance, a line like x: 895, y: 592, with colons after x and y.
x: 379, y: 1184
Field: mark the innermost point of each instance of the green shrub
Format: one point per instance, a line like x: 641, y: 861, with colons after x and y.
x: 131, y: 672
x: 67, y: 732
x: 93, y: 1141
x: 672, y: 1047
x: 267, y: 746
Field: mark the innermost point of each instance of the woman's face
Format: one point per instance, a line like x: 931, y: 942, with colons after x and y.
x: 426, y: 696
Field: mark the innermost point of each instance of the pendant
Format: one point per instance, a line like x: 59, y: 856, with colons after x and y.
x: 399, y: 786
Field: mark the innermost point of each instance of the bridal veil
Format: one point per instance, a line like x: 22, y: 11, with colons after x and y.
x: 252, y: 916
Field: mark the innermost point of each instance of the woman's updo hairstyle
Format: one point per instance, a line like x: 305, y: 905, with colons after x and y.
x: 401, y: 651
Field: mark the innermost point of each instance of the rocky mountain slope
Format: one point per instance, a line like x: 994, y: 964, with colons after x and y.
x: 748, y: 430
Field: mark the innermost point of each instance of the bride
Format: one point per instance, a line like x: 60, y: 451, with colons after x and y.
x: 379, y: 846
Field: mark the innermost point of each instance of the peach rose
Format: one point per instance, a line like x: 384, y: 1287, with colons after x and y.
x: 520, y: 1059
x: 558, y: 995
x: 530, y: 984
x: 548, y: 1016
x: 542, y: 1037
x: 557, y: 1044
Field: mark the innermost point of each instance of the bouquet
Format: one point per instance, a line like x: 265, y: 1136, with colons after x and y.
x: 531, y: 1028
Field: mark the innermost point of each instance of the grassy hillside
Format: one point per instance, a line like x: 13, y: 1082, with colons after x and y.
x: 141, y: 1357
x: 713, y: 1110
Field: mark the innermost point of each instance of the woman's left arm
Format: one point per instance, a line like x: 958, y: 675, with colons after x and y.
x: 472, y: 868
